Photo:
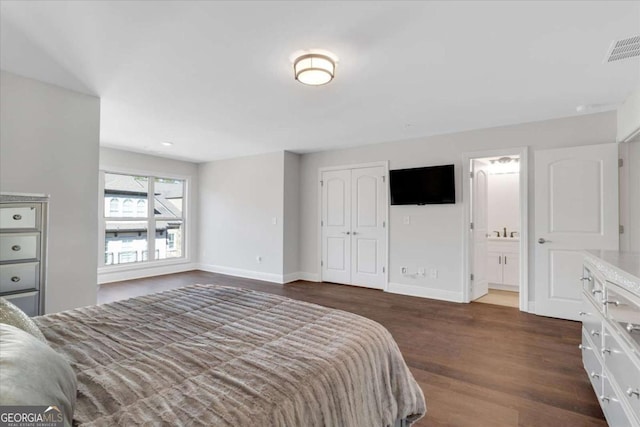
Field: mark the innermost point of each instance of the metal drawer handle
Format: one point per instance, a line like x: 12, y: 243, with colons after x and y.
x: 606, y: 350
x: 605, y: 399
x: 588, y: 279
x: 17, y: 217
x: 583, y: 313
x: 594, y: 375
x: 15, y: 248
x: 584, y: 347
x: 633, y: 328
x: 631, y: 392
x: 616, y: 303
x: 596, y: 291
x: 15, y: 279
x: 595, y: 333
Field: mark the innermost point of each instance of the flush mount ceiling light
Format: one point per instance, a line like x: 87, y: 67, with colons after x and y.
x: 167, y: 143
x: 314, y: 69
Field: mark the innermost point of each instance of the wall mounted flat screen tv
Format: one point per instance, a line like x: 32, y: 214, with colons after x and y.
x: 423, y: 186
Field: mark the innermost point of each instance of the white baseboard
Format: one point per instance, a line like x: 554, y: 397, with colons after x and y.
x: 424, y: 292
x: 291, y: 277
x: 247, y: 274
x: 309, y: 277
x: 139, y: 273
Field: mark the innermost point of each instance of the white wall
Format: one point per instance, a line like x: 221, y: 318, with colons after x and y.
x: 503, y: 202
x: 112, y: 160
x: 630, y: 195
x: 434, y: 237
x: 291, y: 215
x: 49, y: 140
x: 240, y: 199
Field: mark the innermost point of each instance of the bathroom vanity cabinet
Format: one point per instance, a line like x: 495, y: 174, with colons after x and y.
x: 503, y: 260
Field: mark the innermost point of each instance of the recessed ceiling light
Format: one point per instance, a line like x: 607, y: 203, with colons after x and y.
x: 314, y: 69
x: 167, y: 143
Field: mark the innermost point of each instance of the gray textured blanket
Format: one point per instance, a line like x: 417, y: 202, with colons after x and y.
x: 219, y: 356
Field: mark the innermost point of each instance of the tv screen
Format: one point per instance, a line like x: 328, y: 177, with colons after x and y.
x: 423, y: 186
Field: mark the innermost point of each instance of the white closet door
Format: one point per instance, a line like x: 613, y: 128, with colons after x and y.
x: 336, y: 226
x: 368, y: 234
x: 576, y: 208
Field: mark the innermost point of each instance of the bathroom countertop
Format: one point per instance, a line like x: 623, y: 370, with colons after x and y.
x: 503, y: 239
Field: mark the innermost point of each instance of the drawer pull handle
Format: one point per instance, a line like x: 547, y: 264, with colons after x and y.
x: 17, y: 217
x: 15, y: 279
x: 596, y: 291
x: 15, y: 248
x: 588, y: 279
x: 583, y: 313
x: 594, y: 375
x: 605, y: 399
x: 606, y: 350
x: 616, y: 303
x: 633, y: 328
x: 631, y: 393
x: 595, y: 333
x: 584, y: 347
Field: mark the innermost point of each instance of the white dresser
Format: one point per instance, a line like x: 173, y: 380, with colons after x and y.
x: 611, y: 333
x: 23, y: 238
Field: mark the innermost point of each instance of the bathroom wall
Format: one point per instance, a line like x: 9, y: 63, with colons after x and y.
x: 504, y: 202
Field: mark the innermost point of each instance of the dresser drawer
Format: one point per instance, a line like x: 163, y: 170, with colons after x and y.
x: 613, y: 407
x: 27, y: 302
x: 592, y: 323
x: 623, y: 364
x: 591, y: 363
x: 624, y: 312
x: 18, y: 277
x: 593, y: 285
x: 19, y: 246
x: 19, y: 217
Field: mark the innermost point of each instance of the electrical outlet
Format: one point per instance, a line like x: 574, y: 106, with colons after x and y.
x: 403, y: 270
x: 433, y: 273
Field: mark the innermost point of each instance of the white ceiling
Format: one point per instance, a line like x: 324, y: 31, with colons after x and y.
x: 215, y: 78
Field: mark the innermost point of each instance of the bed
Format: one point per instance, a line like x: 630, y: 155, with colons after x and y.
x: 220, y: 356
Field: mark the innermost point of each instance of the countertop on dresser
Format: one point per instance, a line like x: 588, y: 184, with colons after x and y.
x: 618, y: 266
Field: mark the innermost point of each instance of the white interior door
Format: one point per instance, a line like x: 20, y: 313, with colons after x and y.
x: 479, y: 218
x: 368, y: 222
x: 576, y: 208
x: 336, y: 226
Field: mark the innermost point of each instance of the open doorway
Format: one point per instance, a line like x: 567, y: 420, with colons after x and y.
x: 496, y: 242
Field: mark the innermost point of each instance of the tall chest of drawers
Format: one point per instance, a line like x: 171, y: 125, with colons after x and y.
x: 23, y: 243
x: 611, y: 333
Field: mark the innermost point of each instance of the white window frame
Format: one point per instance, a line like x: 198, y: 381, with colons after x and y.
x: 186, y: 220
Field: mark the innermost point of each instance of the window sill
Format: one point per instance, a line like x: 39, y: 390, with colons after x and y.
x: 142, y: 265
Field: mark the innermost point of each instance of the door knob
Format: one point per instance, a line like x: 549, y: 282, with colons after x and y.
x: 354, y: 233
x: 346, y: 232
x: 543, y: 241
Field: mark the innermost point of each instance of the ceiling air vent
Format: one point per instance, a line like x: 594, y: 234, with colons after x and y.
x: 624, y: 49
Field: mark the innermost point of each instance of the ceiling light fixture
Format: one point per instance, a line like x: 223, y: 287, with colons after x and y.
x: 167, y: 143
x: 314, y: 69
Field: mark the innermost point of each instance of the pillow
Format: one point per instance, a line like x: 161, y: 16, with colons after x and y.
x: 12, y: 315
x: 32, y: 373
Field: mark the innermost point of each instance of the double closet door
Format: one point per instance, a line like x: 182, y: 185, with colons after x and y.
x: 354, y: 221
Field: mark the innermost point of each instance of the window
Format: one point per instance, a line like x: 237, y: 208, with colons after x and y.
x: 130, y: 234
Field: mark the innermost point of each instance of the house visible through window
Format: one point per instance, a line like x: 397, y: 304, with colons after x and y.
x: 128, y: 224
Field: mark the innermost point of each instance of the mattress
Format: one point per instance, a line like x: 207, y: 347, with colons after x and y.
x: 220, y: 356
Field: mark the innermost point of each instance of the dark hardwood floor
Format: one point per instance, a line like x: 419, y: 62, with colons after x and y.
x: 478, y: 364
